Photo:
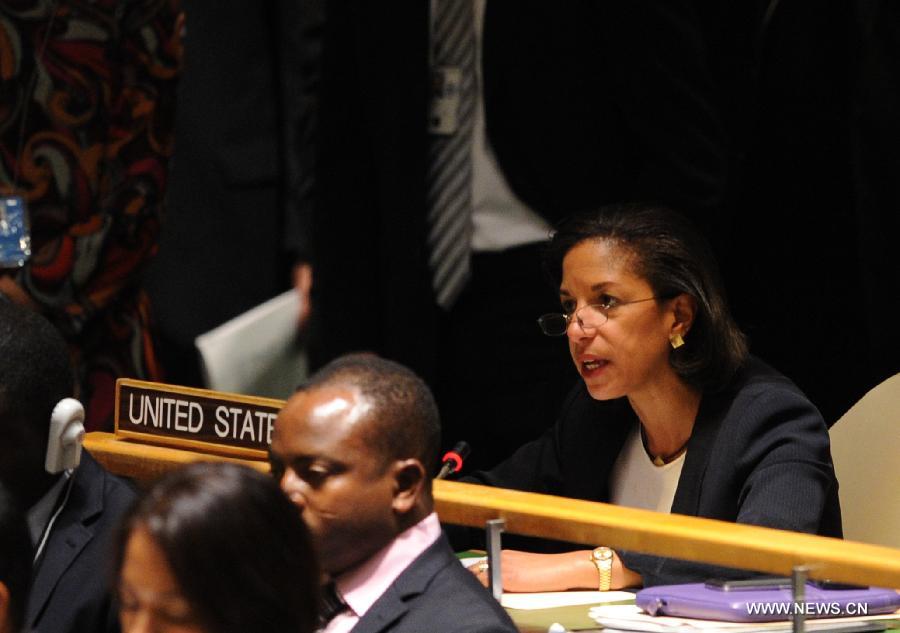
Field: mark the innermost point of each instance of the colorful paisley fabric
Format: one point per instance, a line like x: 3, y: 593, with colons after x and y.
x: 87, y: 93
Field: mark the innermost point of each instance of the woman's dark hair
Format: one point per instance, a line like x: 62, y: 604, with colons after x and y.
x: 236, y: 545
x: 673, y: 258
x: 15, y: 558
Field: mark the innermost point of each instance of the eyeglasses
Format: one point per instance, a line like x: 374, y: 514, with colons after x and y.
x: 589, y: 317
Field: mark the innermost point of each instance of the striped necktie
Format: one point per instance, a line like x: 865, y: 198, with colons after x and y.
x: 450, y: 166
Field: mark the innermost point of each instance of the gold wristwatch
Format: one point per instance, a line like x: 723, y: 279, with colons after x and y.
x: 602, y: 557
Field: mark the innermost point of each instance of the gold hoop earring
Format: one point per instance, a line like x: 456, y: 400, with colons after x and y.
x: 676, y: 340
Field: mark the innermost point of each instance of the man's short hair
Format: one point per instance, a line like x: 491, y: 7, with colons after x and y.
x: 35, y: 369
x: 404, y: 420
x: 15, y: 558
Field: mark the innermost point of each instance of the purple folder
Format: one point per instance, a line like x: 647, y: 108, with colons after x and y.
x: 764, y: 604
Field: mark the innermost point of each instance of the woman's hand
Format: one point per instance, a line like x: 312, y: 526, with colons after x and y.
x: 528, y: 572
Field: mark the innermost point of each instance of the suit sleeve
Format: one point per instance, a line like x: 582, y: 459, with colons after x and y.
x: 538, y: 465
x: 534, y: 467
x: 791, y: 477
x: 300, y: 32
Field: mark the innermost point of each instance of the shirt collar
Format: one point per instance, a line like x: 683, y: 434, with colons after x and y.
x: 362, y: 586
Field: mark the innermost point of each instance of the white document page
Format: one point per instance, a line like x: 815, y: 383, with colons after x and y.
x: 256, y: 353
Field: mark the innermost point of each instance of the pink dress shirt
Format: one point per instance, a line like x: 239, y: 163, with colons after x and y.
x: 361, y: 587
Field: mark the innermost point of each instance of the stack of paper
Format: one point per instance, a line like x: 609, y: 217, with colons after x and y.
x: 633, y: 618
x: 554, y: 599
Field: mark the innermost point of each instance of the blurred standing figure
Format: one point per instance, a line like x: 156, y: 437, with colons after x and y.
x: 232, y: 234
x: 85, y: 133
x: 451, y: 136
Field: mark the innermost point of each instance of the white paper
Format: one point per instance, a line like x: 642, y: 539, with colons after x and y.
x: 256, y: 353
x: 470, y: 561
x: 633, y: 618
x: 550, y: 600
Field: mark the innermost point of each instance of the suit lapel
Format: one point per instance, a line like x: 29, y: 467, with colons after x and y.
x: 699, y: 449
x: 394, y: 603
x: 68, y: 537
x: 389, y: 608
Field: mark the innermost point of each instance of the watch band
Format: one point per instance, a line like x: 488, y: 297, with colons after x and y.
x: 602, y: 557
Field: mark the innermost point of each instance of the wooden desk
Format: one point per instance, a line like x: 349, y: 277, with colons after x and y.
x: 144, y: 463
x: 677, y: 536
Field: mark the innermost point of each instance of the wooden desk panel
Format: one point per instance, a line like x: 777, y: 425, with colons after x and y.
x: 677, y: 536
x: 673, y: 535
x: 144, y: 463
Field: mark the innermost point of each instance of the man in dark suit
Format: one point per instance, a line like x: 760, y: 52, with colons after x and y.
x: 232, y: 234
x: 354, y: 448
x: 583, y: 104
x: 72, y: 512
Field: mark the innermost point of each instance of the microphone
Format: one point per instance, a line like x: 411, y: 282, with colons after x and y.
x: 452, y: 461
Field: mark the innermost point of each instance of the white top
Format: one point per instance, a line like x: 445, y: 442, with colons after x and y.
x: 500, y: 219
x: 637, y: 483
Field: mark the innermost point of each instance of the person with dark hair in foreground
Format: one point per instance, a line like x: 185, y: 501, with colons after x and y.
x: 72, y: 508
x: 216, y: 548
x: 15, y: 564
x: 354, y: 449
x: 671, y: 414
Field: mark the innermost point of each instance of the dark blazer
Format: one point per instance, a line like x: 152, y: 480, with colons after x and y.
x: 435, y: 593
x: 759, y: 454
x: 586, y: 103
x: 72, y: 584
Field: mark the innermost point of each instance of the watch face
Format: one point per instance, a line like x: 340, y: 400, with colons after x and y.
x: 602, y: 554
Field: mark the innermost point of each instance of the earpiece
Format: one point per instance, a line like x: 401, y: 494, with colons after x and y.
x: 66, y: 436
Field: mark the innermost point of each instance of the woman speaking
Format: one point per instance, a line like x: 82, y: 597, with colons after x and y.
x: 671, y: 414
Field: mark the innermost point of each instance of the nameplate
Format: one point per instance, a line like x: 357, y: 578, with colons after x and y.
x: 195, y: 419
